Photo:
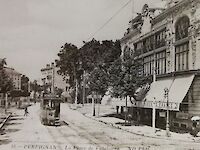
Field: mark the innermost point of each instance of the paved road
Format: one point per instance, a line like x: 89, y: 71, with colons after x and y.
x: 76, y: 132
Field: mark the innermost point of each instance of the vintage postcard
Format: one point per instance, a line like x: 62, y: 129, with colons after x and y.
x: 100, y: 75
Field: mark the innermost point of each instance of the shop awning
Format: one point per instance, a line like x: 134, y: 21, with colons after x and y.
x: 178, y: 88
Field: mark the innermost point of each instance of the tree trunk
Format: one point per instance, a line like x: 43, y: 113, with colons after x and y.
x: 83, y: 87
x: 93, y: 104
x: 76, y: 93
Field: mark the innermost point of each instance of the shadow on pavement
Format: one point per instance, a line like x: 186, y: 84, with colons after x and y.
x: 12, y: 123
x: 4, y: 141
x: 11, y: 130
x: 14, y: 118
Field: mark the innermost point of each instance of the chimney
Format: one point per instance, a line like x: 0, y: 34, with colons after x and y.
x: 52, y: 64
x: 48, y: 66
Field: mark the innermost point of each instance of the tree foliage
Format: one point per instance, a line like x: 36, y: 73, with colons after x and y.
x: 6, y: 83
x: 96, y: 58
x: 25, y: 85
x: 104, y: 67
x: 2, y: 63
x: 34, y: 86
x: 125, y: 77
x: 69, y: 63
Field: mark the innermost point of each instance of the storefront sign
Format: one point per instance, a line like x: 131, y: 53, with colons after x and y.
x: 158, y: 105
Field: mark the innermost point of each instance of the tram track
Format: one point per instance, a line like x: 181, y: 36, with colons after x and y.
x: 93, y: 139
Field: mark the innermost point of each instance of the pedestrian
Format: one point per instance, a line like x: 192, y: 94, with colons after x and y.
x: 26, y: 111
x: 194, y: 131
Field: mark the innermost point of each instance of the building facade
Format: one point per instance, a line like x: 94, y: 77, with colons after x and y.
x: 14, y: 76
x: 167, y: 42
x: 51, y: 79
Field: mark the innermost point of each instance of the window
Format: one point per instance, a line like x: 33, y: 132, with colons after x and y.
x: 148, y: 44
x: 181, y: 57
x: 160, y: 39
x: 176, y: 124
x: 138, y: 48
x: 182, y: 49
x: 148, y: 63
x: 161, y: 63
x: 182, y: 26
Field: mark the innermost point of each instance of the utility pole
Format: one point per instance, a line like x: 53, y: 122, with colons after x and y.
x: 93, y: 103
x: 53, y: 78
x: 154, y: 115
x: 126, y: 111
x: 154, y: 99
x: 167, y: 120
x: 83, y: 87
x: 76, y: 94
x: 6, y: 102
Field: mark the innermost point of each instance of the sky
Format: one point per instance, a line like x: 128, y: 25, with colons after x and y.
x: 33, y: 31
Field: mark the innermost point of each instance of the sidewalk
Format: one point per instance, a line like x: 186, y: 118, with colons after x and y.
x: 142, y: 130
x: 5, y: 116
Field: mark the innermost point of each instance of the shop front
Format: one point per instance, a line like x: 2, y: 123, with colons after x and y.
x: 178, y: 101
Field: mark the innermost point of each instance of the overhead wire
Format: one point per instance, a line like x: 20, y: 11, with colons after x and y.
x: 111, y: 18
x: 114, y: 15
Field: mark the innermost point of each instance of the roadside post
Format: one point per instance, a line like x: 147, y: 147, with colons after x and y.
x: 93, y: 104
x: 6, y: 102
x: 126, y: 112
x: 166, y: 95
x: 154, y: 99
x: 154, y: 115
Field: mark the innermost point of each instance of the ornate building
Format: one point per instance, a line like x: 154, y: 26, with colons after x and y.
x: 167, y: 42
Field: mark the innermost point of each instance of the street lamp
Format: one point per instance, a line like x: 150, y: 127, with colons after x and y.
x: 166, y: 95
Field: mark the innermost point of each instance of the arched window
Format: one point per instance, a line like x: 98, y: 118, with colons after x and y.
x: 181, y: 28
x: 182, y: 46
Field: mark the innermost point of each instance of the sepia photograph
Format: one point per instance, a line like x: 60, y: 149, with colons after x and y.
x: 99, y: 74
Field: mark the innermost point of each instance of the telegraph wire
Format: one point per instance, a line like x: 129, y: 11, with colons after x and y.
x: 115, y: 14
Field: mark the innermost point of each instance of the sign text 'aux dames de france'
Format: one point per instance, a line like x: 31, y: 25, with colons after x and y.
x: 158, y: 105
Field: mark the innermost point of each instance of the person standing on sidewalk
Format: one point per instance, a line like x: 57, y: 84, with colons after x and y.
x: 26, y: 111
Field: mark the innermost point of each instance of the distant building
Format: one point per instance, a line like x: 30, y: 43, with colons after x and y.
x: 51, y: 79
x: 167, y: 41
x: 14, y: 76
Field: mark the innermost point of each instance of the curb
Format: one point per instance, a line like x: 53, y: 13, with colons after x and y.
x: 140, y: 134
x: 5, y: 120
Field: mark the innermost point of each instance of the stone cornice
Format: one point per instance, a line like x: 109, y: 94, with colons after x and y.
x: 170, y: 10
x: 128, y: 36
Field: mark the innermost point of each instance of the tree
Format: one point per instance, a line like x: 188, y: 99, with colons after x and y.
x: 69, y: 64
x: 35, y: 87
x: 2, y: 63
x: 25, y: 86
x: 95, y: 53
x: 125, y: 77
x: 96, y: 57
x: 6, y: 83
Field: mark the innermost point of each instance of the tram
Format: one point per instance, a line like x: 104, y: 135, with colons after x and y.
x: 50, y: 110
